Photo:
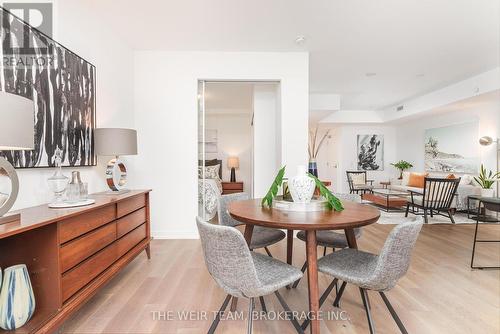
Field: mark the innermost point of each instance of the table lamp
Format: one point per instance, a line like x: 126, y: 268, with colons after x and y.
x: 486, y: 141
x: 17, y: 132
x: 117, y: 142
x: 233, y: 163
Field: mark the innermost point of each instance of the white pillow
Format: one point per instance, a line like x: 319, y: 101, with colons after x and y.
x: 466, y: 180
x: 358, y: 179
x: 211, y: 172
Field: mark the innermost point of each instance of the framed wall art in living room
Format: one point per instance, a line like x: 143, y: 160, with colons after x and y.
x: 370, y: 152
x: 63, y: 88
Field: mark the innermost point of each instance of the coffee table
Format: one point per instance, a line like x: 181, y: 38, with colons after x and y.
x: 388, y: 198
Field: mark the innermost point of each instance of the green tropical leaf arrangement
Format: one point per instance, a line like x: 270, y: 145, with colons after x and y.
x: 487, y: 179
x: 273, y: 191
x: 333, y: 202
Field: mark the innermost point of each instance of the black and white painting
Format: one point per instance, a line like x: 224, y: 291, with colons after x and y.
x: 370, y: 152
x: 452, y: 149
x: 62, y: 86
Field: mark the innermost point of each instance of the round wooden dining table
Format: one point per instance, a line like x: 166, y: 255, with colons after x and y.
x: 252, y: 213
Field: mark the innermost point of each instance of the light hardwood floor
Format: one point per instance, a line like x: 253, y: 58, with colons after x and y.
x: 440, y: 293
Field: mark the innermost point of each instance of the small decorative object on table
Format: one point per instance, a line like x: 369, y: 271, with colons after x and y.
x: 326, y: 201
x: 58, y: 182
x: 486, y: 180
x: 301, y: 186
x: 17, y: 301
x: 76, y: 192
x: 313, y: 149
x: 402, y: 165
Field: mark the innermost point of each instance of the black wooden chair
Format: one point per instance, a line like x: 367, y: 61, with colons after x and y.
x: 358, y: 182
x: 436, y: 198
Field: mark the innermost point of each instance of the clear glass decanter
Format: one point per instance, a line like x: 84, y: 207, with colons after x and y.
x: 58, y: 182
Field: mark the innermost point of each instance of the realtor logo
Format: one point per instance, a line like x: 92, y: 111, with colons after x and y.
x: 21, y: 38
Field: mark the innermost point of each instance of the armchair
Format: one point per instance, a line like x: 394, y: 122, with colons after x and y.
x: 358, y: 182
x: 436, y: 198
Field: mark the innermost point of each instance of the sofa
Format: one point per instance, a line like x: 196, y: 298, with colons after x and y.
x: 465, y: 188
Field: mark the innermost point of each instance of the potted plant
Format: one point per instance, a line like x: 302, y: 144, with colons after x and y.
x: 486, y: 180
x: 402, y: 165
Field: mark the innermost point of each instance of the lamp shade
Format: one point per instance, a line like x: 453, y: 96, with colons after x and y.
x: 17, y: 128
x: 233, y: 162
x: 115, y: 141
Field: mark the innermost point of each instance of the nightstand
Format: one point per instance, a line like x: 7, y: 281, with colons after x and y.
x: 232, y: 187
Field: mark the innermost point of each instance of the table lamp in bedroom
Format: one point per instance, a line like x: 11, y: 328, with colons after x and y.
x: 233, y: 163
x: 116, y: 142
x: 17, y: 132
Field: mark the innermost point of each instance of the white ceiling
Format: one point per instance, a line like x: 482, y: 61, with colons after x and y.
x: 412, y: 46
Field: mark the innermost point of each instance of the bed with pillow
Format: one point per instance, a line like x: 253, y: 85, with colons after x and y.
x: 465, y: 188
x: 209, y: 187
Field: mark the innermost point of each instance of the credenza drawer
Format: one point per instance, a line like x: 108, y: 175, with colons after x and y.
x: 130, y: 240
x: 79, y: 276
x: 81, y: 248
x: 130, y: 205
x: 76, y: 226
x: 129, y: 222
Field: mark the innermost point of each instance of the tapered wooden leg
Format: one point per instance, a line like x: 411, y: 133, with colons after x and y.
x: 289, y: 249
x: 351, y: 238
x: 148, y: 251
x: 312, y: 274
x: 248, y: 239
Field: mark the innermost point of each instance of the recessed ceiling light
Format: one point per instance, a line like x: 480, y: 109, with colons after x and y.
x: 300, y: 40
x: 370, y: 74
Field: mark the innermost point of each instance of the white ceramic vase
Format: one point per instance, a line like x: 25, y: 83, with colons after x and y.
x: 487, y: 192
x: 17, y: 301
x: 301, y: 186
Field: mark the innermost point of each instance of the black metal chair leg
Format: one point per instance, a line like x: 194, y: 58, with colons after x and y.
x: 474, y: 245
x: 324, y: 251
x: 364, y: 296
x: 393, y: 313
x: 268, y: 252
x: 285, y: 306
x: 407, y: 209
x: 336, y: 303
x: 250, y: 315
x: 303, y: 269
x: 263, y: 304
x: 217, y: 317
x: 426, y: 221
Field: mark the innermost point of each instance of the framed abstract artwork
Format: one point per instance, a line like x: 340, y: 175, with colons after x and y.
x: 62, y: 86
x: 452, y: 149
x: 370, y: 152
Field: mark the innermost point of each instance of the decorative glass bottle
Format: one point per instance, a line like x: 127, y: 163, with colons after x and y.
x: 58, y: 182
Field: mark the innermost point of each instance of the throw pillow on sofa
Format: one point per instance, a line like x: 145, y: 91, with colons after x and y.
x: 417, y: 180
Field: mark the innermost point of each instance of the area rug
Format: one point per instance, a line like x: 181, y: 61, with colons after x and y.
x: 399, y: 217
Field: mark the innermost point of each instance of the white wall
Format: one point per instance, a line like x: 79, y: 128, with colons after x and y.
x: 265, y: 137
x: 410, y: 135
x: 114, y: 60
x: 166, y: 118
x: 234, y: 138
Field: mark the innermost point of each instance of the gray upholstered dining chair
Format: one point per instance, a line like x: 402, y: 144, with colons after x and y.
x: 262, y: 237
x: 373, y: 272
x: 331, y: 239
x: 242, y: 273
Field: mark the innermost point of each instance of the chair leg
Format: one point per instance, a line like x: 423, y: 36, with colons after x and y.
x: 303, y: 269
x: 263, y: 304
x: 285, y: 306
x: 426, y: 221
x: 451, y: 216
x: 364, y: 296
x: 474, y: 245
x: 217, y: 317
x: 250, y: 315
x: 268, y: 252
x: 324, y: 251
x: 432, y: 213
x: 407, y: 209
x: 336, y: 303
x: 393, y: 313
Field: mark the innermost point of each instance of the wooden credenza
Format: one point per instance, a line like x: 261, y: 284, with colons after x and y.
x: 71, y: 253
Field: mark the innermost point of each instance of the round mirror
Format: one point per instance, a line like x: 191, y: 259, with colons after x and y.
x: 9, y: 186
